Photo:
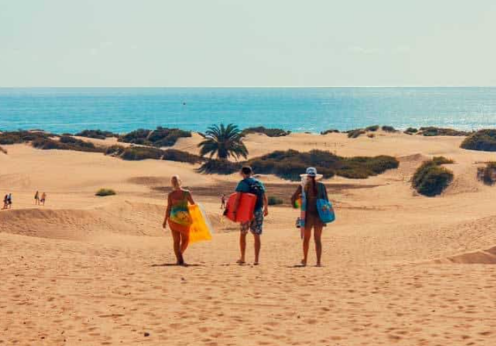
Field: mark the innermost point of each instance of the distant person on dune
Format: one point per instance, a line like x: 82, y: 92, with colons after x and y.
x: 6, y: 202
x: 9, y: 201
x: 312, y: 190
x: 43, y: 198
x: 255, y: 226
x: 37, y: 198
x: 178, y: 218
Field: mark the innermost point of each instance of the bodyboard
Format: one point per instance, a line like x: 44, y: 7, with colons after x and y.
x: 246, y: 207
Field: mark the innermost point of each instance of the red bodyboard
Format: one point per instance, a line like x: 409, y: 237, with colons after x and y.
x: 246, y: 207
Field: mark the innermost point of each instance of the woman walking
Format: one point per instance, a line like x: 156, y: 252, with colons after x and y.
x: 178, y: 218
x: 310, y: 191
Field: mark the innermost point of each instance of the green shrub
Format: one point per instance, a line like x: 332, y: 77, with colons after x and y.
x: 329, y: 131
x: 411, y: 131
x: 487, y: 174
x: 139, y: 136
x: 386, y: 128
x: 275, y: 200
x: 141, y: 153
x: 16, y: 137
x: 439, y: 131
x: 355, y: 133
x: 431, y: 179
x: 181, y: 156
x: 66, y: 143
x: 96, y: 134
x: 163, y: 137
x: 115, y: 150
x: 105, y: 192
x: 363, y: 167
x: 138, y: 153
x: 373, y: 128
x: 267, y: 132
x: 441, y: 160
x: 160, y: 137
x: 291, y: 164
x: 224, y: 167
x: 483, y: 140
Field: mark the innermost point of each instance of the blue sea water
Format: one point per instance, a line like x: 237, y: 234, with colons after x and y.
x: 121, y: 110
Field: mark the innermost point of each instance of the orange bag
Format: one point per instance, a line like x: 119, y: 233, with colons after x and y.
x: 246, y: 207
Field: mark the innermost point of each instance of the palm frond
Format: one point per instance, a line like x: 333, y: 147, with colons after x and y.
x: 223, y: 141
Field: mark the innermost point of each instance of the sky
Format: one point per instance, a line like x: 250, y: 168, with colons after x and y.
x: 208, y: 43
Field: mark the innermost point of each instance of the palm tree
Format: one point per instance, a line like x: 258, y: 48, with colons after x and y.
x: 223, y: 141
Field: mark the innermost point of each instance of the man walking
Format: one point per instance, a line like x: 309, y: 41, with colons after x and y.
x: 251, y: 185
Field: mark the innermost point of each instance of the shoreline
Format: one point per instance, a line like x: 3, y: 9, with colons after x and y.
x: 396, y: 130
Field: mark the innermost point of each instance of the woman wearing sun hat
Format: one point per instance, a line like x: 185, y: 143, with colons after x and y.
x: 309, y: 192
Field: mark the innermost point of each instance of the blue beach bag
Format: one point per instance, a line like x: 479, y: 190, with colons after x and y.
x: 326, y: 211
x: 325, y: 208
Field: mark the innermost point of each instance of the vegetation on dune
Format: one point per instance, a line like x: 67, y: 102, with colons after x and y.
x: 105, y: 192
x: 224, y: 142
x: 431, y: 179
x: 181, y: 156
x: 16, y: 137
x: 439, y: 131
x: 483, y: 140
x: 96, y: 134
x: 160, y: 137
x: 137, y: 153
x: 411, y: 131
x: 372, y: 128
x: 115, y: 150
x: 266, y: 131
x: 290, y: 164
x: 141, y: 153
x: 66, y: 143
x: 223, y: 167
x: 275, y: 200
x: 487, y: 174
x: 47, y: 141
x: 329, y: 131
x: 356, y: 133
x: 441, y: 160
x: 387, y: 128
x: 139, y: 136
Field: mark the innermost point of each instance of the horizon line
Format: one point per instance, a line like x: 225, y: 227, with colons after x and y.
x: 247, y: 87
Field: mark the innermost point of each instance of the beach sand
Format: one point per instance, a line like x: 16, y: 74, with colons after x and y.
x: 399, y: 269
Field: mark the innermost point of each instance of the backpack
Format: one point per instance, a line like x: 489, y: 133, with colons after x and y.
x: 256, y: 189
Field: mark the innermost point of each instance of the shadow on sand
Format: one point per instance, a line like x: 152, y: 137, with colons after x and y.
x: 175, y: 265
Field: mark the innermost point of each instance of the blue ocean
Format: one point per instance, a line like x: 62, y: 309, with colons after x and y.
x: 62, y: 110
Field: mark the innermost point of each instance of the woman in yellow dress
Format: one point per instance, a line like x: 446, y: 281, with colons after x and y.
x: 178, y: 218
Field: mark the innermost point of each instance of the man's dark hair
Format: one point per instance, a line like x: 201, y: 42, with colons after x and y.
x: 247, y: 170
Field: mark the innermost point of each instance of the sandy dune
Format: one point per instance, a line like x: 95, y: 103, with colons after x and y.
x: 400, y: 269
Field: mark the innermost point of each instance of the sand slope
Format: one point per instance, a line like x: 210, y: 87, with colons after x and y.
x: 400, y: 269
